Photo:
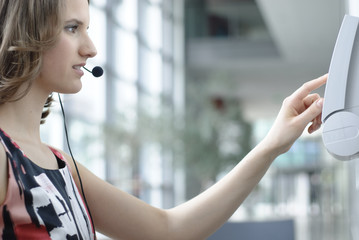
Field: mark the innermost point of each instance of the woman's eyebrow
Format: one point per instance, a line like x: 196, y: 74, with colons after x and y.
x: 74, y: 20
x: 78, y: 22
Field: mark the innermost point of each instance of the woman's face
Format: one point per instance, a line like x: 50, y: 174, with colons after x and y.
x: 61, y: 69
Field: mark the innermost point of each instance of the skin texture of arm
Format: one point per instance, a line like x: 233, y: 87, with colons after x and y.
x: 3, y: 175
x: 122, y: 216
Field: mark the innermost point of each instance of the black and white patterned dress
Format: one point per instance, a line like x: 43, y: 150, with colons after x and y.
x: 41, y: 203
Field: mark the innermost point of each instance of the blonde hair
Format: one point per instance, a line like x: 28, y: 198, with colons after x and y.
x: 27, y: 29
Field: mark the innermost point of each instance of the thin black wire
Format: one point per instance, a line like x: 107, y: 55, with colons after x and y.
x: 73, y: 159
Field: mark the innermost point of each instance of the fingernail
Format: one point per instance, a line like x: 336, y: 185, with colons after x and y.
x: 320, y: 102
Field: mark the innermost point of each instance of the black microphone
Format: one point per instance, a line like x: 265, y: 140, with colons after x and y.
x: 96, y: 71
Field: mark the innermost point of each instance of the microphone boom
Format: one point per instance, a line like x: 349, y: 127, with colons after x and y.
x: 96, y: 71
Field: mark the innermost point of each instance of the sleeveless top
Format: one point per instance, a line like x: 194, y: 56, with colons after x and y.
x: 41, y: 203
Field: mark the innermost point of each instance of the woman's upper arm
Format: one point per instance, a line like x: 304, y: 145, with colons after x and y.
x: 118, y: 214
x: 3, y: 175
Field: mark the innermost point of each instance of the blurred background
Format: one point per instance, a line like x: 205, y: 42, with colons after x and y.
x: 190, y: 86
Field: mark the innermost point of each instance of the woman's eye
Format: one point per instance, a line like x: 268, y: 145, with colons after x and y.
x: 72, y: 28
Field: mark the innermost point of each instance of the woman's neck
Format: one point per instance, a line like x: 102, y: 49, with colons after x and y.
x: 21, y: 119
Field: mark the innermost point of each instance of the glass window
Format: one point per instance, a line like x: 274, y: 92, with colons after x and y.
x: 126, y: 14
x: 151, y: 173
x: 52, y: 131
x: 126, y: 104
x: 98, y: 3
x: 86, y: 143
x: 152, y: 27
x: 125, y: 55
x: 155, y: 1
x: 167, y: 38
x: 167, y: 79
x: 97, y: 32
x: 151, y: 72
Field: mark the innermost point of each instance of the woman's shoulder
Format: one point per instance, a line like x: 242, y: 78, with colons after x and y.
x: 64, y: 157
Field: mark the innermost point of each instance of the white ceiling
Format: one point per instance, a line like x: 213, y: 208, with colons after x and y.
x: 262, y: 71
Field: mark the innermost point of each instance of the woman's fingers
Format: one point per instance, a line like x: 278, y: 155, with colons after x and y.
x: 316, y: 123
x: 310, y: 99
x: 312, y: 112
x: 310, y: 86
x: 298, y: 110
x: 309, y: 105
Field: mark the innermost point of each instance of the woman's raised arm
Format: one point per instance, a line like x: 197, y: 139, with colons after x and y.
x: 122, y: 216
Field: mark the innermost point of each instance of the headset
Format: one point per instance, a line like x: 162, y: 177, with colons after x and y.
x: 96, y: 72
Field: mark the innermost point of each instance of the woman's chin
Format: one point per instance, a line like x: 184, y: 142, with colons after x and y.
x: 74, y: 89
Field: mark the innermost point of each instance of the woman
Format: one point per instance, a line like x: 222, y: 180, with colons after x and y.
x: 43, y: 45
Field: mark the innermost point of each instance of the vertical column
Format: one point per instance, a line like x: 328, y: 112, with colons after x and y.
x: 179, y: 97
x: 110, y: 84
x: 137, y: 152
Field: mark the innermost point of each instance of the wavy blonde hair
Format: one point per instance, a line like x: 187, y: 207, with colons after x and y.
x: 27, y: 29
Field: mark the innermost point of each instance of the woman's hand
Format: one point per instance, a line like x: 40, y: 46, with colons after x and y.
x: 297, y: 111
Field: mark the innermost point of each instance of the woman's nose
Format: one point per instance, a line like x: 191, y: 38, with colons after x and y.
x: 88, y: 49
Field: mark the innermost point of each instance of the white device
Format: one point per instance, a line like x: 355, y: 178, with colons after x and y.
x: 341, y: 99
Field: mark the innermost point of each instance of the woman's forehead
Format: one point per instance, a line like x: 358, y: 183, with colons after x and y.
x: 77, y: 9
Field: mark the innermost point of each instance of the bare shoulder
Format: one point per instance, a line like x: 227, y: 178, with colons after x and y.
x: 71, y: 163
x: 67, y: 158
x: 3, y: 174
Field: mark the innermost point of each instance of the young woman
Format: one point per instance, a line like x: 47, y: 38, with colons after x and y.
x: 43, y: 45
